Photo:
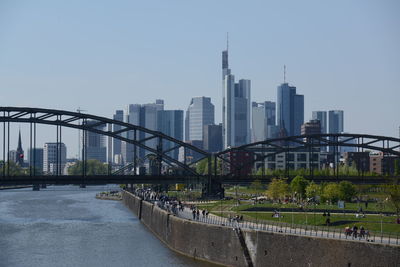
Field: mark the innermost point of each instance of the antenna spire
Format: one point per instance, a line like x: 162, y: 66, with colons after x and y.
x: 227, y: 41
x: 284, y: 73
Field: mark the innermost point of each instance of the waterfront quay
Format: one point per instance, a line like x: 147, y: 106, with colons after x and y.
x: 241, y: 243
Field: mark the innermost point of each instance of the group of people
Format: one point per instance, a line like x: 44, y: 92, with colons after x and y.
x: 328, y: 218
x: 196, y: 213
x: 353, y: 231
x: 236, y: 218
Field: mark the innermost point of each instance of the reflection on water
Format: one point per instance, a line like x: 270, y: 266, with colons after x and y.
x: 68, y: 226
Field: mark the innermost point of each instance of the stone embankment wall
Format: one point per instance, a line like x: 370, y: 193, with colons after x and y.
x: 221, y: 244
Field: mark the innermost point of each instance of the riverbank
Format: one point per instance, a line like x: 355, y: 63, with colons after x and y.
x: 233, y: 246
x: 14, y: 187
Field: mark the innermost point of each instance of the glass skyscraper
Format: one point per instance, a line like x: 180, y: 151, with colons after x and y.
x: 290, y: 109
x: 235, y: 107
x: 263, y: 120
x: 336, y: 121
x: 170, y: 122
x: 321, y: 116
x: 200, y: 112
x: 145, y: 116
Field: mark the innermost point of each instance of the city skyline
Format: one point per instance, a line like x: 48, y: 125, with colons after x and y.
x: 56, y: 62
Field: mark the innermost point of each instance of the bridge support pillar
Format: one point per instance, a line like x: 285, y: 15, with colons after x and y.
x: 213, y: 189
x: 43, y: 186
x: 82, y: 186
x: 36, y: 187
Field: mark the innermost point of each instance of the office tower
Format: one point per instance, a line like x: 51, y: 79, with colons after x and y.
x: 116, y: 152
x: 141, y: 115
x: 212, y: 138
x: 35, y: 158
x: 321, y: 116
x: 311, y: 127
x: 199, y: 113
x: 263, y: 119
x: 336, y: 121
x: 290, y: 110
x: 95, y: 143
x: 170, y: 122
x: 54, y: 159
x: 235, y: 107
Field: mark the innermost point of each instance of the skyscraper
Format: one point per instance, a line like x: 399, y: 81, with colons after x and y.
x: 336, y: 121
x: 170, y: 122
x: 235, y: 107
x: 212, y: 138
x: 263, y: 120
x: 118, y: 116
x: 321, y: 116
x: 95, y: 144
x: 145, y: 116
x: 290, y: 109
x: 199, y: 113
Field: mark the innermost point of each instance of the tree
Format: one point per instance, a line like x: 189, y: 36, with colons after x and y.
x: 346, y: 190
x: 93, y: 167
x: 331, y: 192
x: 257, y: 186
x: 313, y: 190
x: 299, y: 184
x: 277, y: 189
x: 13, y: 168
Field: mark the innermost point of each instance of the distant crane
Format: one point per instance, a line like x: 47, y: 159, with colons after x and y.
x: 79, y: 110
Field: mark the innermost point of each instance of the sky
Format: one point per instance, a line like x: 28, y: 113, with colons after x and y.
x: 103, y: 55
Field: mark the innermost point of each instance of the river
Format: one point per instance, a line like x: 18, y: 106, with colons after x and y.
x: 68, y: 226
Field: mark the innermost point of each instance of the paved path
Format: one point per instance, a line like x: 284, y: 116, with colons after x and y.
x: 326, y: 232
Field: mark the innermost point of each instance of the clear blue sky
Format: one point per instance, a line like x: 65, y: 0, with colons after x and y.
x: 102, y: 55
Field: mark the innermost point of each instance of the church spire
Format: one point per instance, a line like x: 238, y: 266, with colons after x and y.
x: 20, y: 151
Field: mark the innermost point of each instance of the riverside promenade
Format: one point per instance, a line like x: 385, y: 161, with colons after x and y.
x: 321, y: 232
x: 242, y: 243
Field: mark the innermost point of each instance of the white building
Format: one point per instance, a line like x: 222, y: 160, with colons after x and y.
x: 199, y: 113
x: 54, y: 159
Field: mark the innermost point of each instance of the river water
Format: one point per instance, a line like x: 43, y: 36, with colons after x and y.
x: 68, y: 226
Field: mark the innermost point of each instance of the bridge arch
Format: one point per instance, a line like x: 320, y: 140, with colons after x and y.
x: 76, y: 120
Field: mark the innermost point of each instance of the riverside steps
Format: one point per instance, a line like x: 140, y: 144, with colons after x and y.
x: 228, y: 243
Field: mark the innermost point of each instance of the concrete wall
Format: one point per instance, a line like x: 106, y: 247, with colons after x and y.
x: 220, y: 244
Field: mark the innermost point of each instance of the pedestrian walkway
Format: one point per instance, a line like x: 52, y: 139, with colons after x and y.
x: 193, y: 214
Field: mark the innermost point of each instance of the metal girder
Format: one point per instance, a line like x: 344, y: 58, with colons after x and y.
x: 24, y: 115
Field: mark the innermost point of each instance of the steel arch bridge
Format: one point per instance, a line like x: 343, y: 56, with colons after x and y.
x: 139, y: 136
x: 271, y: 147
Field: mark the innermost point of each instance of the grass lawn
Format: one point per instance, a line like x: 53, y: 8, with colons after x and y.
x: 371, y: 222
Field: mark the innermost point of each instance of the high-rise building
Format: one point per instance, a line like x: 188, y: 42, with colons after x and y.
x: 212, y: 138
x: 199, y: 113
x: 145, y: 116
x: 116, y: 151
x: 170, y: 122
x: 311, y: 127
x: 336, y: 121
x: 290, y: 113
x: 96, y: 144
x: 35, y: 158
x: 235, y: 107
x: 321, y: 116
x: 263, y: 120
x: 54, y: 158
